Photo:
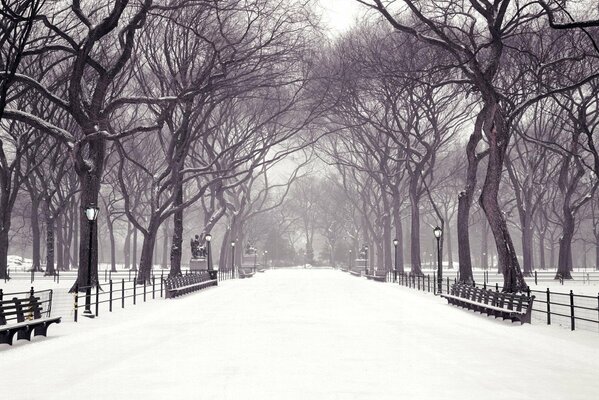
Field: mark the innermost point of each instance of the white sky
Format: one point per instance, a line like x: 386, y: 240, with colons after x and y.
x: 339, y: 15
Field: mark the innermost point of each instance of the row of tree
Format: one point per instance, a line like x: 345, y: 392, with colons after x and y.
x: 146, y: 108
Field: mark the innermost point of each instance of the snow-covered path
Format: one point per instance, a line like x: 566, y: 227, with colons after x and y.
x: 301, y: 334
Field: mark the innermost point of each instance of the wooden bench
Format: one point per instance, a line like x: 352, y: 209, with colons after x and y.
x: 516, y: 307
x: 246, y: 272
x: 379, y: 275
x: 23, y: 316
x: 183, y: 284
x: 356, y: 271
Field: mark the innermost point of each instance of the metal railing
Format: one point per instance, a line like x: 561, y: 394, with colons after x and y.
x: 578, y: 311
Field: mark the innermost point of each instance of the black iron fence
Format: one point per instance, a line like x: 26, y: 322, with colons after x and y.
x: 115, y: 293
x: 577, y: 311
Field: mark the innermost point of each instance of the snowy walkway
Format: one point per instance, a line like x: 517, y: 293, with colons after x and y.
x: 301, y: 334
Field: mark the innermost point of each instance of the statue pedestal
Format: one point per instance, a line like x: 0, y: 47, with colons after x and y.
x: 198, y: 264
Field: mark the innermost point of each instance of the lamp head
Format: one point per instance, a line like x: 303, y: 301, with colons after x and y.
x: 91, y: 212
x: 233, y: 243
x: 437, y: 232
x: 208, y: 237
x: 395, y: 242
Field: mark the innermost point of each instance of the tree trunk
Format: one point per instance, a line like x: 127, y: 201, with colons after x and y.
x: 59, y: 243
x: 35, y: 234
x: 465, y: 199
x: 177, y: 241
x: 127, y: 247
x: 134, y: 259
x: 165, y: 233
x: 415, y: 233
x: 387, y: 242
x: 498, y: 139
x: 484, y: 245
x: 527, y: 246
x: 448, y: 236
x: 400, y: 252
x: 110, y: 225
x: 146, y: 261
x: 542, y: 251
x: 89, y: 168
x: 50, y: 270
x: 67, y: 239
x: 75, y: 244
x: 564, y: 262
x: 223, y: 259
x: 4, y: 241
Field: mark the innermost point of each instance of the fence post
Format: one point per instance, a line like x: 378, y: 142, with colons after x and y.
x: 129, y: 275
x: 134, y: 290
x: 144, y: 290
x: 153, y: 287
x: 110, y: 298
x: 434, y: 286
x: 428, y: 279
x: 447, y: 285
x: 75, y: 303
x: 161, y: 283
x: 97, y: 298
x: 572, y: 323
x: 497, y: 287
x: 122, y: 293
x: 32, y: 275
x: 535, y: 278
x: 418, y: 278
x: 105, y: 275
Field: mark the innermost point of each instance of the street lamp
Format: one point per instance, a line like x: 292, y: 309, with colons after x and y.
x: 438, y: 233
x: 366, y: 255
x: 265, y: 258
x: 233, y: 259
x: 91, y: 213
x: 395, y: 243
x: 349, y: 265
x: 208, y: 238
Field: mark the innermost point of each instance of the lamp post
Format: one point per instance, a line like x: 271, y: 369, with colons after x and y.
x: 265, y: 258
x: 349, y: 264
x: 233, y: 259
x: 211, y: 271
x: 395, y: 243
x: 366, y: 263
x: 438, y: 233
x: 208, y: 238
x: 91, y: 213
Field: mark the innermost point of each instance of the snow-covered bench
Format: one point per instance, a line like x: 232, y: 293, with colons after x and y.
x: 23, y: 316
x: 517, y: 307
x: 184, y: 284
x: 246, y: 272
x: 379, y: 275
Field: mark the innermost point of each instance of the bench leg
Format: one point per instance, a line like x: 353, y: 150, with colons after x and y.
x: 25, y: 333
x: 42, y: 330
x: 7, y: 336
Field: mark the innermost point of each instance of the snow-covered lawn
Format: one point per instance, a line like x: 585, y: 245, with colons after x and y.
x: 301, y: 334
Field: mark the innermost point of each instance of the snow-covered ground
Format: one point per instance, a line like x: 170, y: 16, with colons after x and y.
x: 301, y: 334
